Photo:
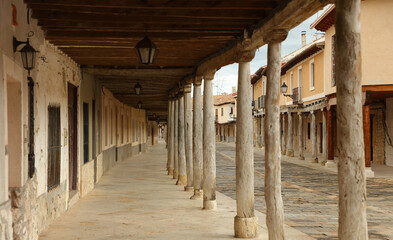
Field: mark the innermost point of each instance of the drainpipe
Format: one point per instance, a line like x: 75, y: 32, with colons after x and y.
x: 31, y: 155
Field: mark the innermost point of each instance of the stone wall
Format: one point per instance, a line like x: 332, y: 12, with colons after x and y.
x: 109, y: 158
x: 100, y: 169
x: 87, y: 178
x: 32, y: 214
x: 125, y: 152
x: 5, y: 221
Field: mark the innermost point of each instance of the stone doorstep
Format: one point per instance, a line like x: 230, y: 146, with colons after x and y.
x: 225, y: 203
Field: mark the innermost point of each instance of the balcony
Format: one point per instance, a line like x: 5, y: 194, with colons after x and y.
x: 297, y: 95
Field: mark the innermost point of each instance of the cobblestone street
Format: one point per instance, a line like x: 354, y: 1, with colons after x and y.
x: 310, y: 196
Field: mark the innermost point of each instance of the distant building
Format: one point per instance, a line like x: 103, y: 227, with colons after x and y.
x: 225, y: 112
x: 309, y: 74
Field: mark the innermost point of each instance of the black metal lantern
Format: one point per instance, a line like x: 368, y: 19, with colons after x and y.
x: 28, y: 54
x: 140, y: 104
x: 284, y: 88
x: 137, y: 88
x: 154, y: 115
x: 146, y: 50
x: 158, y: 120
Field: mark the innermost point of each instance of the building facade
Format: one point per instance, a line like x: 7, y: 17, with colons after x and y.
x: 225, y: 117
x: 308, y: 109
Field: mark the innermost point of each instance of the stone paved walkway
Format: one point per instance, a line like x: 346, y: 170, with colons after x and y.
x: 137, y: 200
x: 310, y: 195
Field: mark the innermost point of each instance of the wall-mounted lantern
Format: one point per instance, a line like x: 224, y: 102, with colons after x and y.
x: 137, y: 88
x: 140, y: 104
x: 284, y: 89
x: 28, y: 54
x: 146, y: 50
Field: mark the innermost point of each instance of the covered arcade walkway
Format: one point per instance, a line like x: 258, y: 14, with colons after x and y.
x: 138, y: 200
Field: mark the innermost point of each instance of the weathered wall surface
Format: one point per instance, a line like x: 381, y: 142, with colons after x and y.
x: 5, y: 221
x: 378, y: 135
x: 87, y: 178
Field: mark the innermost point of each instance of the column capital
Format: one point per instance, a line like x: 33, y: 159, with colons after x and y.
x: 187, y: 88
x: 299, y: 113
x: 209, y: 76
x: 245, y: 56
x: 198, y: 80
x: 276, y: 36
x: 312, y: 112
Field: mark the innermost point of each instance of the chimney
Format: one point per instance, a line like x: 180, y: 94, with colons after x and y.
x: 303, y: 38
x: 233, y: 89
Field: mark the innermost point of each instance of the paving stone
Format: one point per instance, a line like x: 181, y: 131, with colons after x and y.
x: 310, y: 196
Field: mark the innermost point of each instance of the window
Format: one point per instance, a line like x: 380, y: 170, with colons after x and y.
x: 54, y: 146
x: 312, y: 75
x: 222, y: 111
x: 259, y: 103
x: 334, y: 47
x: 308, y: 131
x: 85, y: 132
x: 291, y: 82
x: 231, y: 110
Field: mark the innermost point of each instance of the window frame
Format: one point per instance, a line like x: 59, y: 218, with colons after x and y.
x: 312, y: 74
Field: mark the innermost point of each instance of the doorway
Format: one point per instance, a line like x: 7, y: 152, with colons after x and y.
x: 14, y: 118
x: 73, y: 135
x: 152, y: 135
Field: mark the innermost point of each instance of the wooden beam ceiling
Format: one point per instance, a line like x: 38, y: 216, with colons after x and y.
x: 193, y: 36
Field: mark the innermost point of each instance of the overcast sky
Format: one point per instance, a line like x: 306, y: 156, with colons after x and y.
x: 226, y: 77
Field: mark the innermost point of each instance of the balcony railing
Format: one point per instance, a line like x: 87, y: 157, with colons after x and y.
x: 297, y: 95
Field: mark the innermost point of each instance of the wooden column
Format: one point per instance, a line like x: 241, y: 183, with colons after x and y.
x: 182, y: 178
x: 188, y: 137
x: 246, y: 224
x: 283, y: 139
x: 324, y: 136
x: 367, y: 135
x: 300, y: 134
x: 274, y: 204
x: 209, y: 146
x: 351, y: 169
x: 175, y: 139
x: 197, y: 139
x: 314, y: 144
x: 171, y: 133
x: 330, y: 137
x: 290, y: 152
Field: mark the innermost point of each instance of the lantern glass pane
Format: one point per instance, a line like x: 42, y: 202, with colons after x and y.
x: 152, y: 54
x: 144, y: 55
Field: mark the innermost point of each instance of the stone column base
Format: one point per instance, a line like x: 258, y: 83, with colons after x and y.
x: 330, y: 164
x: 246, y: 227
x: 170, y: 171
x: 188, y: 189
x: 209, y: 204
x: 369, y: 172
x: 175, y: 174
x: 314, y: 160
x: 290, y: 153
x: 182, y: 180
x: 198, y: 194
x: 301, y: 158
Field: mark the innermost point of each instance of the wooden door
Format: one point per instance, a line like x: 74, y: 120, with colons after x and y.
x: 73, y: 135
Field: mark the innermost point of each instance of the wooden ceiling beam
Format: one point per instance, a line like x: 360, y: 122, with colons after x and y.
x: 160, y: 4
x: 253, y: 14
x: 53, y: 23
x: 286, y: 16
x: 92, y: 17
